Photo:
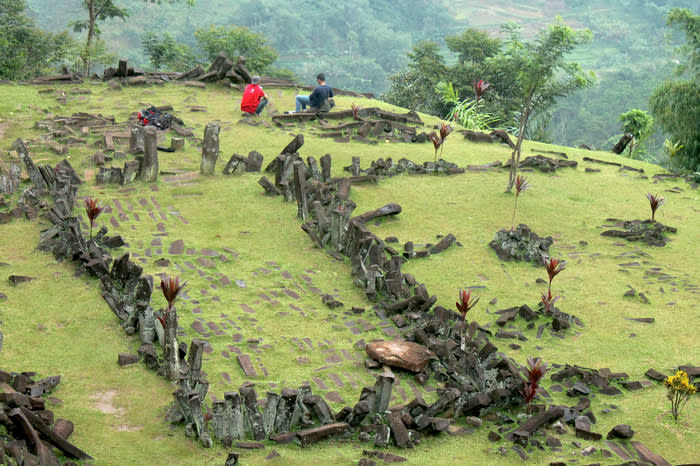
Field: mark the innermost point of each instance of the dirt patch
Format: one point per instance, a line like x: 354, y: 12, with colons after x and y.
x: 103, y: 403
x: 3, y: 129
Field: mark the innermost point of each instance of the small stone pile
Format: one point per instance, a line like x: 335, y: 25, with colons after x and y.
x: 650, y: 232
x: 521, y: 244
x: 31, y: 432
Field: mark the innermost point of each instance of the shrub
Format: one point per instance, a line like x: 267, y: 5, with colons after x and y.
x: 679, y: 390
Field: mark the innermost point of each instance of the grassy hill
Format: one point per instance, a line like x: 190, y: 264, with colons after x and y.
x: 254, y: 279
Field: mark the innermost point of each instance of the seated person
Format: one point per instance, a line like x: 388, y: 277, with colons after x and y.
x: 254, y: 98
x: 318, y: 101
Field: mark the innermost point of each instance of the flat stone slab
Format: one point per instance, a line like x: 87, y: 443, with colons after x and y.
x: 247, y: 365
x: 308, y: 436
x: 403, y: 354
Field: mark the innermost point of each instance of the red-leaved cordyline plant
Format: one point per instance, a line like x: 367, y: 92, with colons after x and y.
x: 536, y: 368
x: 464, y: 305
x: 171, y: 290
x: 480, y: 88
x: 93, y: 210
x: 654, y: 202
x: 521, y: 184
x: 437, y: 142
x: 548, y: 302
x: 355, y: 110
x: 553, y: 267
x: 445, y: 130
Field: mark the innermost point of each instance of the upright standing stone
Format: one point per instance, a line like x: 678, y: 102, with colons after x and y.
x: 135, y: 138
x: 170, y: 346
x: 210, y: 148
x: 123, y: 68
x: 270, y: 413
x: 149, y: 166
x: 326, y: 168
x: 234, y: 415
x: 34, y: 173
x: 300, y: 189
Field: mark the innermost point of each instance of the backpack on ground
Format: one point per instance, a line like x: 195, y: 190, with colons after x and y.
x: 152, y: 117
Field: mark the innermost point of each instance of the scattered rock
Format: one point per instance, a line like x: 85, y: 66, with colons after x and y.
x: 404, y: 354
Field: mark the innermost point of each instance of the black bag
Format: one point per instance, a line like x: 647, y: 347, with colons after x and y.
x: 152, y: 117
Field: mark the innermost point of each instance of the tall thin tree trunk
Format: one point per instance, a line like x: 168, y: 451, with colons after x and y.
x: 92, y: 20
x: 515, y: 156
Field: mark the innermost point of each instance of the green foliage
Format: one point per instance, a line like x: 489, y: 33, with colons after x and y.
x: 415, y: 87
x: 639, y: 124
x: 100, y: 11
x: 235, y: 41
x: 675, y: 104
x: 543, y: 74
x: 473, y: 45
x: 165, y: 52
x: 467, y: 112
x: 25, y: 50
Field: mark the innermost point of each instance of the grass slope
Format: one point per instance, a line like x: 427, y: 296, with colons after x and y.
x: 254, y: 280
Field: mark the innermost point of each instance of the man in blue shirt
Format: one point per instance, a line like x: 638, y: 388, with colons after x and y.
x: 318, y: 100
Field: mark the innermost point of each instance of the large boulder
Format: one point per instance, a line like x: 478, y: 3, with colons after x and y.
x: 403, y: 354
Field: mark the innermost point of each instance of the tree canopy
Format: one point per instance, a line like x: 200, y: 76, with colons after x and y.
x: 235, y: 41
x: 675, y: 104
x: 26, y: 50
x: 543, y: 74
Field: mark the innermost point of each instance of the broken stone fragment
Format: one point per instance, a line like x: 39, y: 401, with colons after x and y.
x: 403, y: 354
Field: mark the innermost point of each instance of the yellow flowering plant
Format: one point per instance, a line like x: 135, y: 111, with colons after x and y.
x: 679, y: 390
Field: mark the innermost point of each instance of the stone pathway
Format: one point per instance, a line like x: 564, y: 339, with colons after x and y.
x: 241, y: 316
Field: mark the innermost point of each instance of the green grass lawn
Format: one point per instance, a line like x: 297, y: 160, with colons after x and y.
x: 254, y: 280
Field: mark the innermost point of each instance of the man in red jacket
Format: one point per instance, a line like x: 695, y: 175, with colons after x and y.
x: 254, y: 98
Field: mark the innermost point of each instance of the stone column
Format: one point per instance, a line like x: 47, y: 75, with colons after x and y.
x: 210, y: 149
x: 135, y: 138
x: 170, y: 346
x: 149, y: 167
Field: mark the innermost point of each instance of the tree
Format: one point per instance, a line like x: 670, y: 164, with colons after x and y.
x: 101, y: 10
x: 235, y: 41
x: 414, y: 88
x: 25, y: 50
x: 675, y: 104
x: 473, y: 45
x: 164, y: 51
x: 542, y: 75
x: 639, y: 124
